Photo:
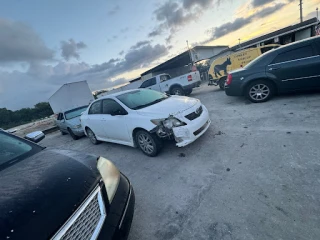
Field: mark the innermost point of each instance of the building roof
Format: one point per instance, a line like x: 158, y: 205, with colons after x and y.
x: 282, y: 31
x: 180, y: 60
x: 134, y: 80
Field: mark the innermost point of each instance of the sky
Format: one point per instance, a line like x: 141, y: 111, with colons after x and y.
x: 44, y: 44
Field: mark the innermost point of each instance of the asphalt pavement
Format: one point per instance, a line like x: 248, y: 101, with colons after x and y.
x: 255, y: 174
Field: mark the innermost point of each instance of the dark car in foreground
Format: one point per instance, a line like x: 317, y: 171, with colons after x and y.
x: 289, y: 68
x: 59, y: 194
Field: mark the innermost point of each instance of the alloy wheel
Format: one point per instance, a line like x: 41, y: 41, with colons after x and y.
x: 259, y: 92
x: 91, y: 136
x: 145, y: 143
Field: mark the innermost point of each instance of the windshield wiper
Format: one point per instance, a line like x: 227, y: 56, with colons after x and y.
x: 149, y: 104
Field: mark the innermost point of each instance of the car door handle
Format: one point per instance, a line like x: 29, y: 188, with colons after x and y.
x: 274, y: 68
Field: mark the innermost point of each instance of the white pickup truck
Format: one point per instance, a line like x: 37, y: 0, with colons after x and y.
x: 182, y: 85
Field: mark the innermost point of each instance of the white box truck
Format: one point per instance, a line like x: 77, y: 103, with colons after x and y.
x: 68, y: 102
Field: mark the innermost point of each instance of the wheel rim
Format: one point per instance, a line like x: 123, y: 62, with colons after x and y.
x: 259, y: 92
x: 177, y: 92
x: 92, y: 136
x: 145, y: 143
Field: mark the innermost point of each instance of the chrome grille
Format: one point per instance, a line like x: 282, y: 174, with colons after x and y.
x: 86, y: 222
x: 195, y: 114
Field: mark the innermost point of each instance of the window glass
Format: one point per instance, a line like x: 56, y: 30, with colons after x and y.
x: 13, y: 148
x: 294, y: 54
x: 141, y: 98
x: 148, y: 83
x: 75, y: 112
x: 110, y: 106
x: 95, y: 108
x: 164, y: 78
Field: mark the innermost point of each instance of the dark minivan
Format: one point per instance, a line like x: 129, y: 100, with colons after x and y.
x: 59, y: 194
x: 289, y: 68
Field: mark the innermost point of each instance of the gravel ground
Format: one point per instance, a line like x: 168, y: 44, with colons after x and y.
x: 255, y: 174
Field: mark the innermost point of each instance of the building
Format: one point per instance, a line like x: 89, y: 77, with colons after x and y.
x: 181, y: 64
x: 282, y: 36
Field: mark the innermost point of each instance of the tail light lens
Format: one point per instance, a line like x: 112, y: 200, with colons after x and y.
x: 229, y: 79
x: 189, y: 78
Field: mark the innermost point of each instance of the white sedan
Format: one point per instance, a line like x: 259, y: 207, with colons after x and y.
x: 142, y: 118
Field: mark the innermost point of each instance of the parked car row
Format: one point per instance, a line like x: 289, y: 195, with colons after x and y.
x: 292, y: 67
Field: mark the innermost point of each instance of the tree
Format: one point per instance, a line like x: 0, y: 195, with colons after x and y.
x: 9, y: 119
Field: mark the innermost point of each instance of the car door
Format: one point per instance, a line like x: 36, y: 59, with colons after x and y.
x: 295, y: 68
x: 61, y: 122
x: 95, y: 121
x: 114, y: 121
x: 164, y: 84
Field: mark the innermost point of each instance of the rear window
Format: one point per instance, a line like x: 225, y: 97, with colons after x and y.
x: 298, y: 53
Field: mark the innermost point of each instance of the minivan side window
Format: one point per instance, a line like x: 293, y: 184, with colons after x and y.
x: 110, y: 106
x: 95, y: 108
x: 298, y: 53
x: 148, y: 83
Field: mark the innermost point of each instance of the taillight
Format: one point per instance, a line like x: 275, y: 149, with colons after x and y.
x: 229, y: 79
x: 189, y: 78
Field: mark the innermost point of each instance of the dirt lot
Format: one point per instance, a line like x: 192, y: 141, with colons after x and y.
x: 255, y: 174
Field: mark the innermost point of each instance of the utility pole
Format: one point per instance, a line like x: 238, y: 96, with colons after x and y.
x: 317, y: 14
x: 239, y: 42
x: 190, y: 53
x: 301, y: 17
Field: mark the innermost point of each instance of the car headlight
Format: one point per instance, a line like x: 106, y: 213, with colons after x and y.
x: 110, y: 176
x: 169, y: 123
x: 77, y: 126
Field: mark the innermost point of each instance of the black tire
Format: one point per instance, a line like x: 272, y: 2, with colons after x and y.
x: 221, y: 83
x: 92, y: 137
x: 177, y: 91
x: 149, y: 143
x: 260, y: 91
x: 74, y: 137
x: 188, y: 92
x: 62, y: 132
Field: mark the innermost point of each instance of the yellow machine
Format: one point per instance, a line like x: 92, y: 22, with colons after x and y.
x: 221, y: 66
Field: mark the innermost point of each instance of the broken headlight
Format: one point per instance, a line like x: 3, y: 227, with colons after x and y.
x: 168, y: 123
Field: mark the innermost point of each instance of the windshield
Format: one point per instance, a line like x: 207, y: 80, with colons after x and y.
x: 75, y: 112
x: 13, y: 148
x: 141, y: 98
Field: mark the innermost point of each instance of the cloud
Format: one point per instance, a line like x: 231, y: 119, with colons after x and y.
x: 171, y: 16
x: 155, y: 32
x: 121, y: 53
x: 114, y: 10
x: 134, y: 59
x: 41, y: 81
x: 19, y: 42
x: 124, y: 30
x: 140, y: 44
x: 259, y: 3
x: 239, y: 23
x: 202, y: 3
x: 70, y: 49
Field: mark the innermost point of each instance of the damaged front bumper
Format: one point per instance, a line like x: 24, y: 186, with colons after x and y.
x: 188, y: 133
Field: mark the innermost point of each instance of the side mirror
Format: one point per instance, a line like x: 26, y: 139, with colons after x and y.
x: 35, y: 136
